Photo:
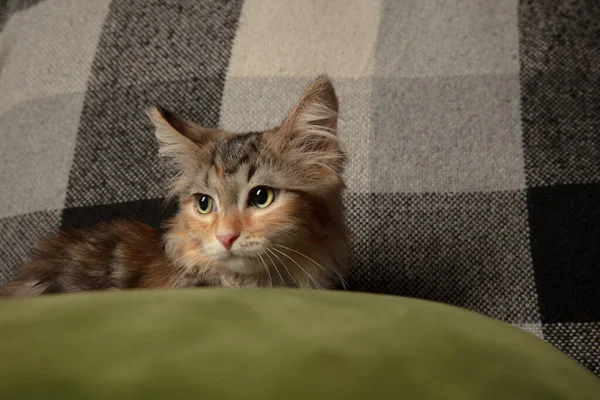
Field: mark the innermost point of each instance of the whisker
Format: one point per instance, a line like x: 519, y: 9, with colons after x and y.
x: 299, y: 266
x: 203, y: 266
x: 276, y: 270
x: 284, y: 266
x: 194, y: 261
x: 267, y: 269
x: 178, y: 279
x: 257, y: 261
x: 184, y: 255
x: 343, y: 282
x: 186, y: 267
x: 303, y: 255
x: 336, y: 272
x: 179, y: 258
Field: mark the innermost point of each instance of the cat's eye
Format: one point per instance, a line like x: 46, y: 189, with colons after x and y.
x: 204, y: 204
x: 262, y: 197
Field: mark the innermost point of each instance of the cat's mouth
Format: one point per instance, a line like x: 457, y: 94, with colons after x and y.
x: 239, y: 259
x: 230, y: 255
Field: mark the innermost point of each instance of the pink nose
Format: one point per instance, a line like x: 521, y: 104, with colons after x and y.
x: 227, y: 238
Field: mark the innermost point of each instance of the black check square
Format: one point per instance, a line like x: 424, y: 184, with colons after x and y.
x: 565, y: 242
x: 153, y: 212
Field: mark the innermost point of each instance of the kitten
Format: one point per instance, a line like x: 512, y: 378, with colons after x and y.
x: 255, y: 209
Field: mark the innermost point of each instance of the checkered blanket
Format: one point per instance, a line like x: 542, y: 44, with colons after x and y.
x: 473, y: 129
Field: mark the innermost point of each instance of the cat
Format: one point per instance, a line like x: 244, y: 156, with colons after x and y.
x: 258, y: 209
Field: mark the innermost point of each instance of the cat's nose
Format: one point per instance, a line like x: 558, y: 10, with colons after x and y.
x: 227, y: 238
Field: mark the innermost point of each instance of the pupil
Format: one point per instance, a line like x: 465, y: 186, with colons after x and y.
x: 203, y: 203
x: 261, y: 196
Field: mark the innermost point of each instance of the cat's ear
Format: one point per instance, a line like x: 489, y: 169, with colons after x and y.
x: 310, y: 130
x: 316, y: 111
x: 183, y: 143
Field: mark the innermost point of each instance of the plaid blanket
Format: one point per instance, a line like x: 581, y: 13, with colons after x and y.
x: 473, y: 129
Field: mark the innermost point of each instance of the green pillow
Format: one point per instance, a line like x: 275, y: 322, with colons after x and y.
x: 271, y: 344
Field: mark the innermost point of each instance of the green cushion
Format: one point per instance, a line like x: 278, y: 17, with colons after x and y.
x: 271, y: 344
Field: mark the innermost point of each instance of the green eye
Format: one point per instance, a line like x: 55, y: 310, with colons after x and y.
x: 262, y: 197
x: 204, y: 204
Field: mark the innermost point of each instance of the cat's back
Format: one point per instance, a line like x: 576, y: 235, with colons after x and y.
x: 114, y: 255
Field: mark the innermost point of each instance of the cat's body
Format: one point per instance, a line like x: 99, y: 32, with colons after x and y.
x: 255, y: 209
x: 117, y: 255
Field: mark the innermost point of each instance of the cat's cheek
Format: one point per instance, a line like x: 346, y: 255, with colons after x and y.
x: 264, y: 225
x: 200, y: 227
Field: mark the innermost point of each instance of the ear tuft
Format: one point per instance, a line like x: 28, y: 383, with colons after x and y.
x: 318, y: 107
x: 169, y: 117
x: 171, y: 134
x: 176, y: 145
x: 309, y: 133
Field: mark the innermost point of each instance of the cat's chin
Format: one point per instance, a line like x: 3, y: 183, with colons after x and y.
x: 241, y: 265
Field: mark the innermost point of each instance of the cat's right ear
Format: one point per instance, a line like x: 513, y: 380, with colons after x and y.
x: 183, y: 143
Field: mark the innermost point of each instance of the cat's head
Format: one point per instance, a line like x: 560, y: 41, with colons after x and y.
x: 249, y: 196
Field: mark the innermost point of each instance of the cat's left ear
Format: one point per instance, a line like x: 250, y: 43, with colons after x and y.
x: 309, y: 133
x: 316, y: 109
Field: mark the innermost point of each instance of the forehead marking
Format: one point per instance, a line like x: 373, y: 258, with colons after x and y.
x: 221, y: 182
x: 251, y: 172
x: 239, y: 150
x: 227, y: 158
